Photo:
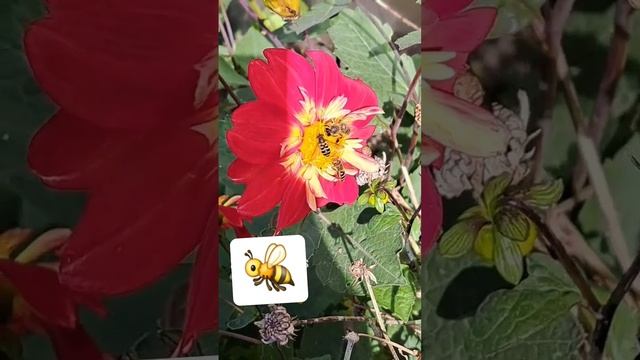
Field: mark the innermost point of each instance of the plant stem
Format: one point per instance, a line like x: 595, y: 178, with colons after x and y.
x: 605, y: 319
x: 229, y: 90
x: 391, y: 343
x: 330, y: 319
x: 240, y: 337
x: 376, y: 310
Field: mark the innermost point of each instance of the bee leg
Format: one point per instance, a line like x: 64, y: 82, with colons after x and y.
x: 268, y: 286
x: 257, y: 281
x: 275, y: 285
x: 283, y: 288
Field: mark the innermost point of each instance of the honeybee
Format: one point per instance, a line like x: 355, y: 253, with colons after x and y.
x: 270, y: 270
x: 339, y: 168
x: 324, y: 147
x: 333, y: 128
x: 287, y: 9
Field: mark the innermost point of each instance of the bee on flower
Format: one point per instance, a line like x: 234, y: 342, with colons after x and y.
x: 302, y: 142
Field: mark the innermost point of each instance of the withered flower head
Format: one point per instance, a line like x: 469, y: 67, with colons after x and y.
x: 360, y: 271
x: 276, y: 326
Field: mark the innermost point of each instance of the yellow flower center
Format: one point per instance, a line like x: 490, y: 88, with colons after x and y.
x: 317, y: 148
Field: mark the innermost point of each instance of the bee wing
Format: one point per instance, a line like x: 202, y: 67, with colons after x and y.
x: 275, y: 255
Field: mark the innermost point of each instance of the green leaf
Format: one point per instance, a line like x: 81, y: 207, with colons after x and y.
x: 229, y: 74
x: 250, y: 46
x: 511, y: 223
x: 472, y: 212
x: 399, y: 300
x: 622, y: 179
x: 411, y: 39
x: 365, y: 53
x: 379, y: 205
x: 543, y: 196
x: 530, y: 322
x: 319, y: 13
x: 622, y: 340
x: 507, y: 258
x: 513, y: 15
x: 357, y: 232
x: 458, y: 240
x: 241, y: 319
x: 493, y: 189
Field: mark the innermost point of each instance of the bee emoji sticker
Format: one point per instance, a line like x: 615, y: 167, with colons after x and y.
x: 277, y: 278
x: 270, y: 271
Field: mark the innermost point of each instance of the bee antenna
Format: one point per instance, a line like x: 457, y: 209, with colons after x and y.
x: 249, y: 254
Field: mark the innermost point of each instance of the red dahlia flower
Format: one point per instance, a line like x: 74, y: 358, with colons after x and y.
x: 300, y: 143
x: 136, y: 131
x: 449, y: 35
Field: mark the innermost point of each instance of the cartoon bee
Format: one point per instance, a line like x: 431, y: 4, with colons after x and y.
x: 324, y: 147
x: 270, y: 270
x: 287, y: 9
x: 339, y: 168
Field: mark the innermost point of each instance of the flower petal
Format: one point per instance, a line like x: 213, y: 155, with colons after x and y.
x: 263, y: 192
x: 40, y: 288
x: 462, y: 32
x: 432, y: 212
x: 446, y: 7
x: 341, y: 192
x: 461, y: 125
x: 359, y: 160
x: 71, y: 153
x: 294, y: 205
x: 328, y: 77
x: 202, y: 300
x: 279, y: 80
x: 259, y: 131
x: 122, y: 69
x: 73, y: 344
x: 154, y: 218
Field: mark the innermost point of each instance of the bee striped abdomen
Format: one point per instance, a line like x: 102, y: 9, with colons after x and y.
x: 282, y: 275
x: 324, y: 147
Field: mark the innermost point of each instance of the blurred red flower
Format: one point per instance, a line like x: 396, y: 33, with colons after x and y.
x: 229, y: 217
x: 450, y: 33
x: 136, y: 131
x: 300, y: 144
x: 38, y: 302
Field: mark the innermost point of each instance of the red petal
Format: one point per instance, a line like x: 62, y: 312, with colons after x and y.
x: 258, y: 132
x: 73, y: 344
x: 461, y: 33
x: 148, y: 217
x: 278, y: 80
x: 294, y: 205
x: 71, y: 153
x: 432, y: 212
x: 40, y: 288
x: 122, y: 64
x: 359, y: 94
x: 341, y: 192
x: 263, y: 192
x: 242, y: 172
x: 328, y: 77
x: 202, y: 301
x: 446, y: 7
x: 231, y: 214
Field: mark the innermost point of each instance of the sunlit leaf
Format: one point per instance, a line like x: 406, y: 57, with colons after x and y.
x: 458, y: 240
x: 512, y: 223
x: 545, y: 195
x: 493, y: 190
x: 507, y: 258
